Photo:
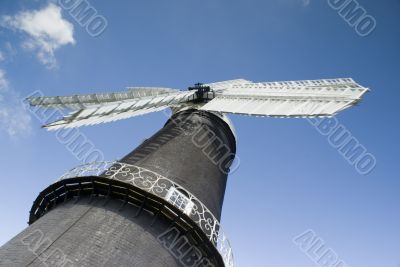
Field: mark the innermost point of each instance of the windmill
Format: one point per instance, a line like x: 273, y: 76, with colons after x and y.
x: 160, y: 205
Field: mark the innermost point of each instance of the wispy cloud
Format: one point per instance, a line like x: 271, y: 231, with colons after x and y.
x: 3, y: 82
x: 45, y: 29
x: 295, y: 3
x: 305, y: 2
x: 14, y: 119
x: 7, y: 53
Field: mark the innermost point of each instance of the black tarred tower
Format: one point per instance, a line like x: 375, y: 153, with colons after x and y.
x: 157, y: 206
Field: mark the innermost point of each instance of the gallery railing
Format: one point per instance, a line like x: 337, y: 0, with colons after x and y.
x: 161, y: 186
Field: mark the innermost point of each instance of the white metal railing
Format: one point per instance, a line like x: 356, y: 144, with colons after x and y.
x: 159, y: 185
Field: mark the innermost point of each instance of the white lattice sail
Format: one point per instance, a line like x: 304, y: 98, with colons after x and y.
x: 288, y: 99
x: 308, y: 98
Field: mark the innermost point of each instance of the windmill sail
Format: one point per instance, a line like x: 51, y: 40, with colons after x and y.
x: 220, y: 86
x: 120, y: 110
x: 288, y: 99
x: 86, y: 100
x: 307, y: 98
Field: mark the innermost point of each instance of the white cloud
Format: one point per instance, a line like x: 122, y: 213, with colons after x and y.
x: 1, y: 56
x: 15, y: 120
x: 46, y: 31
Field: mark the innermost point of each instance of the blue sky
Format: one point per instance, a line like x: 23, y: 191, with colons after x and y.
x: 289, y: 180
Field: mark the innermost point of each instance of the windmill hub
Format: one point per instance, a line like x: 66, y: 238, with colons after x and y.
x: 202, y: 92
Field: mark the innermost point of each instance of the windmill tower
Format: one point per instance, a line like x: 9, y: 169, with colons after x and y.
x: 160, y: 205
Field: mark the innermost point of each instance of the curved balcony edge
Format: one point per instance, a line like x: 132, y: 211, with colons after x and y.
x: 163, y: 188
